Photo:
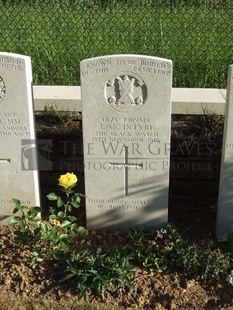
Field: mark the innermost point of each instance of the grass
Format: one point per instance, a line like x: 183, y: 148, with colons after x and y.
x: 198, y: 36
x: 11, y: 302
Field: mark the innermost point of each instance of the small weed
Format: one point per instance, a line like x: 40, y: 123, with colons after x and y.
x: 212, y: 124
x: 56, y: 117
x: 150, y: 248
x: 166, y: 249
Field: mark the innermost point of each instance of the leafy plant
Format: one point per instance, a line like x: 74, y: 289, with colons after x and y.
x: 150, y: 248
x: 99, y: 270
x: 166, y: 249
x: 27, y: 223
x: 207, y: 262
x: 53, y: 238
x: 216, y: 264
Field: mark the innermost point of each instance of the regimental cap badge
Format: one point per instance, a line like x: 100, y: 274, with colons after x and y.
x: 126, y: 93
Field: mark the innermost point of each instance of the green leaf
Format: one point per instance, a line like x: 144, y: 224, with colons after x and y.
x: 56, y: 255
x: 67, y: 277
x: 52, y: 196
x: 37, y: 209
x: 61, y: 214
x: 51, y: 210
x: 81, y: 230
x: 13, y: 221
x: 76, y: 198
x: 65, y: 224
x: 63, y: 238
x: 15, y: 210
x: 59, y: 202
x: 75, y: 201
x: 16, y: 202
x: 52, y: 217
x: 75, y: 205
x: 44, y: 227
x: 72, y: 218
x: 74, y: 227
x: 36, y: 218
x: 22, y: 207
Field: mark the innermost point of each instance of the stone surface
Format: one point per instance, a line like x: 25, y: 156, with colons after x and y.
x: 126, y: 105
x: 225, y: 201
x: 18, y: 158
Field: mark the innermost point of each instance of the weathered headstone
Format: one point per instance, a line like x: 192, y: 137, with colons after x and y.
x: 18, y: 158
x: 224, y: 224
x: 126, y: 106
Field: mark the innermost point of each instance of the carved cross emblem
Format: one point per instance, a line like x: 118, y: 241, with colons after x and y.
x: 127, y: 165
x: 5, y: 160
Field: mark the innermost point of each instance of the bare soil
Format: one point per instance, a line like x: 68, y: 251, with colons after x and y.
x: 24, y: 282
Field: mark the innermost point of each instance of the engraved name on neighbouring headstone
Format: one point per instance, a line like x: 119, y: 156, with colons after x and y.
x: 18, y: 157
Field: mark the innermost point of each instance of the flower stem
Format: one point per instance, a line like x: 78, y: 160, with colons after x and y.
x: 67, y: 201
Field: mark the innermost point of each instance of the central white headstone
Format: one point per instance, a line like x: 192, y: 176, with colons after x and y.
x: 18, y: 157
x: 224, y: 224
x: 126, y: 106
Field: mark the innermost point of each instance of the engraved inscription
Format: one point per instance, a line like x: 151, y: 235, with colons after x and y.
x: 12, y: 125
x: 121, y: 204
x: 126, y: 93
x: 129, y: 130
x: 12, y: 64
x: 137, y: 66
x: 10, y: 201
x: 2, y: 89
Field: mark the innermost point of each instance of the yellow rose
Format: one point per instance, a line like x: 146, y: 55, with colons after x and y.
x: 67, y: 180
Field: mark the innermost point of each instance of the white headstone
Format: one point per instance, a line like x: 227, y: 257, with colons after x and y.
x: 224, y: 224
x: 126, y: 106
x: 18, y: 160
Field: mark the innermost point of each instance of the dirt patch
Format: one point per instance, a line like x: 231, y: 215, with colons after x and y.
x: 22, y: 281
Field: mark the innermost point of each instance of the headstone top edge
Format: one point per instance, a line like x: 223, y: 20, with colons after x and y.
x: 230, y: 70
x: 26, y: 59
x: 14, y: 55
x: 127, y: 55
